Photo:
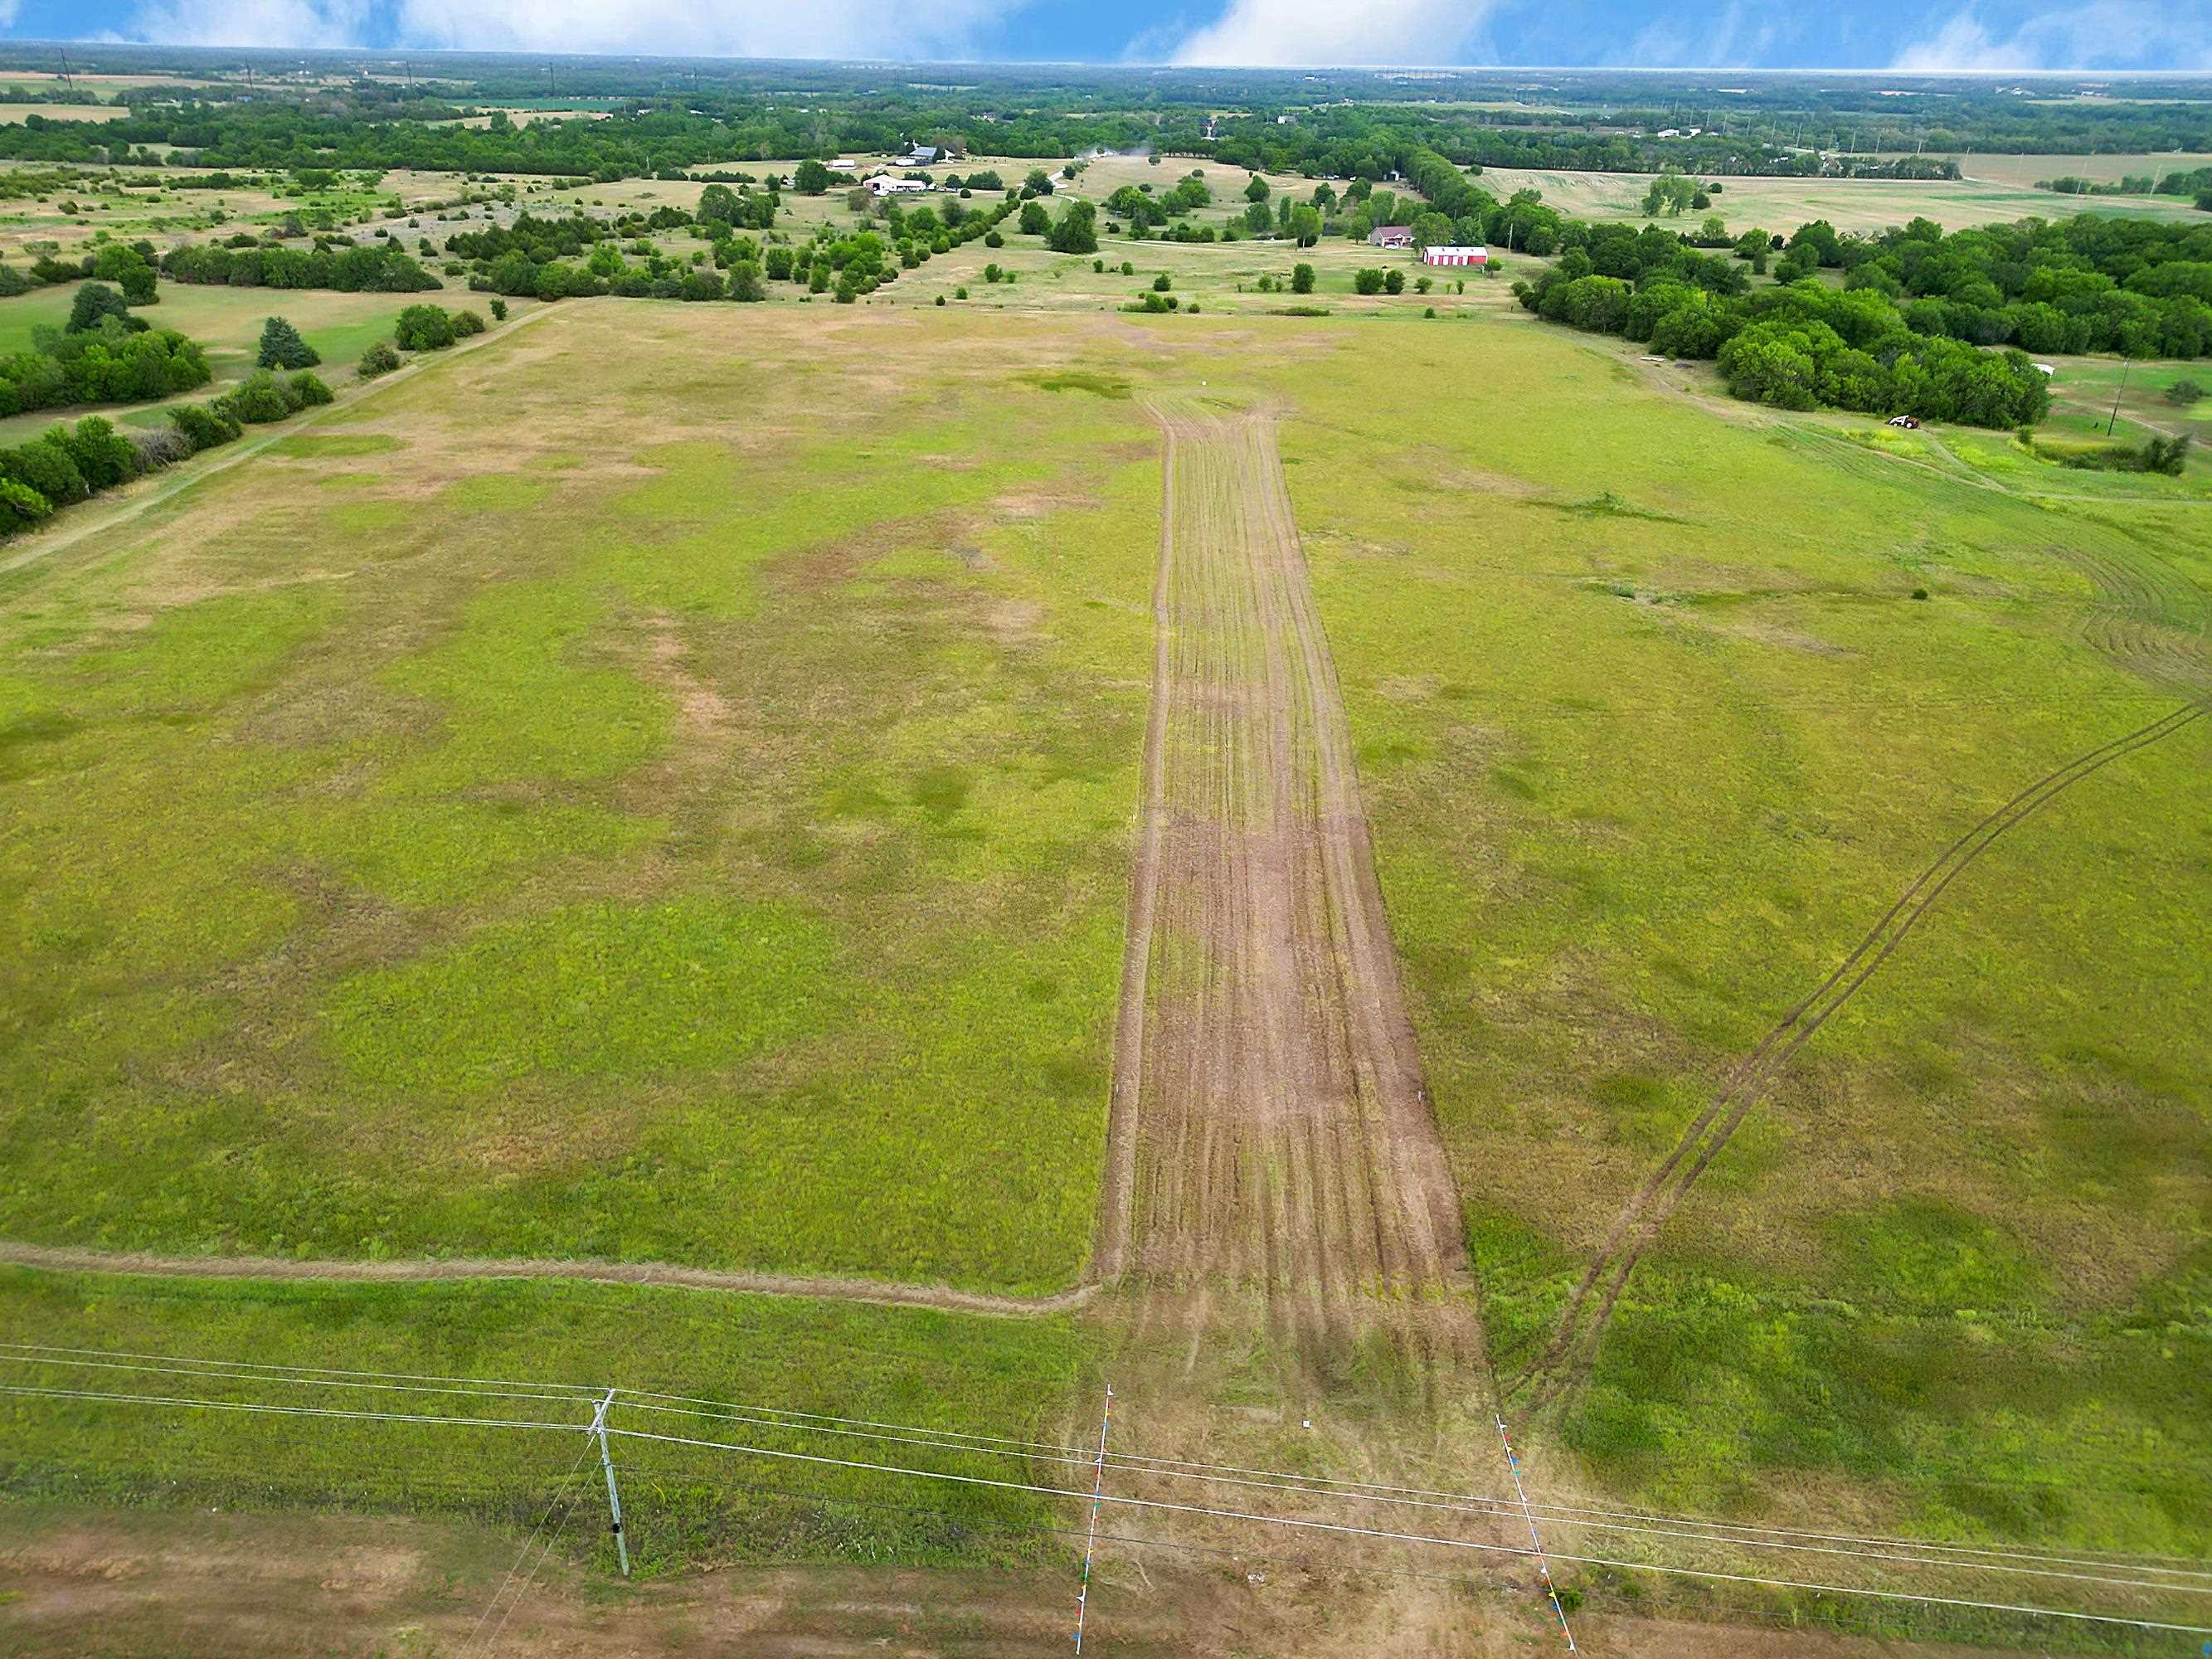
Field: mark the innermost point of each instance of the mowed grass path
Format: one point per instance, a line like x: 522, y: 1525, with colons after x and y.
x: 657, y: 789
x: 1651, y: 730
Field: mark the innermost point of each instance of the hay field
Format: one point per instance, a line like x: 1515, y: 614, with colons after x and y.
x: 694, y: 825
x: 1863, y: 204
x: 705, y: 844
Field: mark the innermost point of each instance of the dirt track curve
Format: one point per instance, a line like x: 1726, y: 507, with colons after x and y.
x: 1573, y: 1347
x: 1271, y: 1130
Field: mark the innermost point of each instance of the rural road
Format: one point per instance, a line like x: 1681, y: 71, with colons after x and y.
x: 1270, y: 1126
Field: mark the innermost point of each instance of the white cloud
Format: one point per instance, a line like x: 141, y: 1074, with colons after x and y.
x: 736, y: 29
x: 2105, y: 34
x: 1301, y: 34
x: 1738, y: 36
x: 251, y: 23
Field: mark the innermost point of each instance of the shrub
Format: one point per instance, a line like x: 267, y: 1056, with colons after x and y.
x: 1128, y: 269
x: 2184, y: 392
x: 991, y: 239
x: 378, y: 359
x: 1919, y: 593
x: 466, y: 323
x: 499, y: 310
x: 960, y: 293
x: 202, y: 426
x: 1302, y: 279
x: 1367, y: 280
x: 305, y: 389
x: 21, y: 505
x: 102, y: 454
x: 1394, y: 283
x: 256, y: 400
x: 160, y: 446
x: 47, y: 467
x: 423, y: 328
x: 1160, y: 284
x: 940, y: 299
x: 282, y: 348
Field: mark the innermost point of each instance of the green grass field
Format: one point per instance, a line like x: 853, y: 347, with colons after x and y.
x: 690, y: 822
x: 708, y: 848
x: 1651, y: 728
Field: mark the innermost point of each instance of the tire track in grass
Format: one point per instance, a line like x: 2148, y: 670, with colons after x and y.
x: 1270, y: 1131
x: 1573, y: 1349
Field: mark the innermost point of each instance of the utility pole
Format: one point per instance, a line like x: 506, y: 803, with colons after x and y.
x: 2114, y: 420
x: 614, y: 1497
x: 1090, y: 1544
x: 1543, y: 1566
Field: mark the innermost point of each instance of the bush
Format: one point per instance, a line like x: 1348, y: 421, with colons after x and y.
x: 2184, y: 392
x: 940, y: 299
x: 991, y: 239
x: 160, y: 447
x: 1302, y: 279
x: 466, y: 323
x: 256, y: 401
x: 1394, y: 283
x: 103, y: 455
x: 1367, y: 280
x: 305, y: 389
x: 499, y: 310
x: 423, y: 328
x: 282, y: 348
x: 202, y: 426
x: 21, y: 505
x: 378, y: 359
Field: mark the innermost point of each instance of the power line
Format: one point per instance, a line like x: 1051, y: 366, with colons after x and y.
x: 1904, y: 1552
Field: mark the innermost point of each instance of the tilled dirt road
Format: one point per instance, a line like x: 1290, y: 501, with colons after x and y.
x: 1271, y: 1130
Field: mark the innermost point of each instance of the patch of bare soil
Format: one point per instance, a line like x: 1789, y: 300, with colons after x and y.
x: 123, y: 1585
x: 1271, y: 1129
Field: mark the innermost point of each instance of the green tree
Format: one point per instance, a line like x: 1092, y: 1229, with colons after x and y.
x: 1036, y: 221
x: 1256, y: 190
x: 1305, y: 225
x: 1076, y: 231
x: 718, y: 204
x: 93, y: 301
x: 1302, y: 279
x: 1039, y: 183
x: 810, y: 177
x: 1394, y: 281
x: 1671, y: 193
x: 1258, y: 220
x: 282, y: 348
x: 423, y: 328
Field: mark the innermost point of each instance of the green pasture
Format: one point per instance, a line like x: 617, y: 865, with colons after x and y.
x: 1651, y: 728
x: 683, y: 1505
x: 493, y: 840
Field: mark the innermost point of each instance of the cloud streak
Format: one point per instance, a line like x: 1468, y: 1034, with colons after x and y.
x: 2105, y: 34
x: 1321, y: 34
x: 735, y: 28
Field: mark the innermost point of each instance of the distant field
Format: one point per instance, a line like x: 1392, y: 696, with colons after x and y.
x: 2104, y: 169
x: 228, y: 321
x: 16, y: 114
x: 680, y: 845
x: 1863, y: 204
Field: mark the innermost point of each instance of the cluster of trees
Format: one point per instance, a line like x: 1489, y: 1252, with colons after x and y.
x: 66, y: 464
x: 1801, y: 344
x: 349, y: 270
x: 433, y: 328
x: 104, y: 355
x: 2135, y: 287
x: 129, y: 265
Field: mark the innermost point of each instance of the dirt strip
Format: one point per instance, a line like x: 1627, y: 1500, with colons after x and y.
x: 1271, y: 1128
x: 599, y: 1272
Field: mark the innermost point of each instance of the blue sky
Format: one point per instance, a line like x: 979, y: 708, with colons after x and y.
x: 1995, y: 35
